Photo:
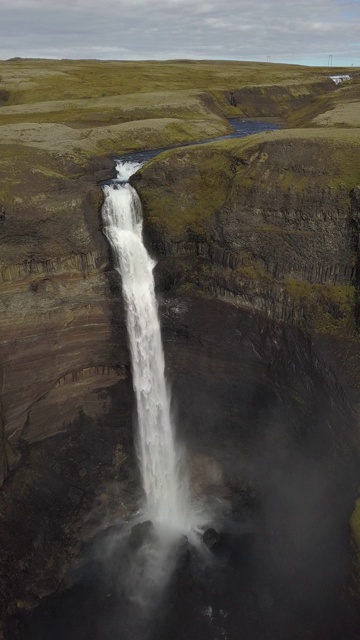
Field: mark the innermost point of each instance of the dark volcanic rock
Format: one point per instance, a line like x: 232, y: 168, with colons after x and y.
x: 259, y: 254
x: 211, y: 538
x: 48, y: 508
x: 141, y: 533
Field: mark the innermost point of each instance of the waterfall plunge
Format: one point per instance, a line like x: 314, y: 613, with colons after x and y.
x: 163, y: 472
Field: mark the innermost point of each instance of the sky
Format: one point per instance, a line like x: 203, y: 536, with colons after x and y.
x: 302, y: 32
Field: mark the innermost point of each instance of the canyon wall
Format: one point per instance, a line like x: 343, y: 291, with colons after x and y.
x: 258, y: 253
x: 258, y: 264
x: 65, y: 388
x: 58, y: 353
x: 266, y: 225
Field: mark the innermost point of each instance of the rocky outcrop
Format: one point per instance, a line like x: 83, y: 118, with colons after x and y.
x: 277, y: 100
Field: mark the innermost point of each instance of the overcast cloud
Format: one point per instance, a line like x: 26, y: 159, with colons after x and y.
x: 305, y: 31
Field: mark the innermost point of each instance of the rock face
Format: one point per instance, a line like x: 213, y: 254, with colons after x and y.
x: 59, y: 351
x: 65, y: 391
x: 264, y: 225
x: 262, y: 228
x: 258, y: 246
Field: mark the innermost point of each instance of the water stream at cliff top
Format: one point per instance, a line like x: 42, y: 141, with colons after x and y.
x: 164, y: 477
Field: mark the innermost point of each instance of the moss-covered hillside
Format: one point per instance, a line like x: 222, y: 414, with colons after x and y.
x: 29, y: 81
x: 202, y: 178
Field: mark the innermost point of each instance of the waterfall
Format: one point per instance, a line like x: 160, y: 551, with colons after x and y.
x: 164, y: 476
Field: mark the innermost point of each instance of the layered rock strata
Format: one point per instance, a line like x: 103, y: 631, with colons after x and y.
x: 258, y: 246
x: 264, y: 224
x: 65, y: 388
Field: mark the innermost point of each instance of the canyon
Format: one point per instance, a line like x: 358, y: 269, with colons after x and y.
x: 256, y: 242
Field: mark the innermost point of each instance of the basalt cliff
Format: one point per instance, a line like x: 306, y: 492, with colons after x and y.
x: 257, y: 243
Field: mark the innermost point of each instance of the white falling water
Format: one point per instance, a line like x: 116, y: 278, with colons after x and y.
x: 164, y: 478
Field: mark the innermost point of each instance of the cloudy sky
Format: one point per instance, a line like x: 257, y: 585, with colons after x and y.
x: 300, y: 31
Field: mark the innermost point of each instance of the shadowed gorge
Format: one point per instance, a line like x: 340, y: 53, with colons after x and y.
x: 252, y: 243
